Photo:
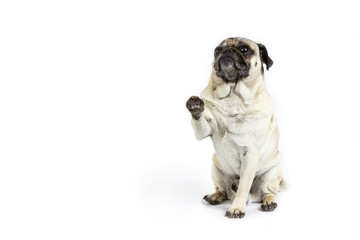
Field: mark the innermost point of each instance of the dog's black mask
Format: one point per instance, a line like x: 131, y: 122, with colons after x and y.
x: 230, y: 64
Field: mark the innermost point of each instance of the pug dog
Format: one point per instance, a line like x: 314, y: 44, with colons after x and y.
x: 236, y: 112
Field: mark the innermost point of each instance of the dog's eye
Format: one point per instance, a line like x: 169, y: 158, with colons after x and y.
x: 244, y: 49
x: 217, y: 50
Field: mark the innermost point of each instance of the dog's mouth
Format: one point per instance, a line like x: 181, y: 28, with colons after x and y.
x: 227, y: 69
x: 231, y: 67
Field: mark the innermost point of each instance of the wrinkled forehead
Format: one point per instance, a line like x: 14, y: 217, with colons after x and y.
x: 237, y: 42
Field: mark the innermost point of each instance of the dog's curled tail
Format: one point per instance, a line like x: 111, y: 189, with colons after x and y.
x: 283, y: 185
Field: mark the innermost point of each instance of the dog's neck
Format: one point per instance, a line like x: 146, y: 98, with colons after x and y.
x: 247, y: 89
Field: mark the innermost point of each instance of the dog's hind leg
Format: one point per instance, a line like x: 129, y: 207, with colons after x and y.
x: 269, y: 187
x: 220, y: 184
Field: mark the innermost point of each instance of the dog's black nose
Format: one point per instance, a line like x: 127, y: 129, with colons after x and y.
x: 228, y: 51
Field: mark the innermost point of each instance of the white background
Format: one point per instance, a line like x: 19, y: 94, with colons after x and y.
x: 96, y: 142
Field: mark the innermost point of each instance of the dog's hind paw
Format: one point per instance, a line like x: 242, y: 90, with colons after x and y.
x: 268, y: 206
x: 214, y: 198
x: 269, y: 203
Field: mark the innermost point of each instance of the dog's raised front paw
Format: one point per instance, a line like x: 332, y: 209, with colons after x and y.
x: 234, y: 213
x: 196, y: 106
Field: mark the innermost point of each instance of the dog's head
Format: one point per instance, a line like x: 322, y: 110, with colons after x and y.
x: 238, y: 58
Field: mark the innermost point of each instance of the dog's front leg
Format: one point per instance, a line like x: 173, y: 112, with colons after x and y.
x: 199, y: 122
x: 247, y: 173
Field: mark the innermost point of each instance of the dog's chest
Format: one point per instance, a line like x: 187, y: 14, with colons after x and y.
x: 237, y: 129
x: 234, y: 115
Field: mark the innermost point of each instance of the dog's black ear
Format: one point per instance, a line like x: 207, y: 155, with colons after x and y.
x: 264, y: 56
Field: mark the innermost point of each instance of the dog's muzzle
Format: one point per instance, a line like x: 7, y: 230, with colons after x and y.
x: 231, y: 66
